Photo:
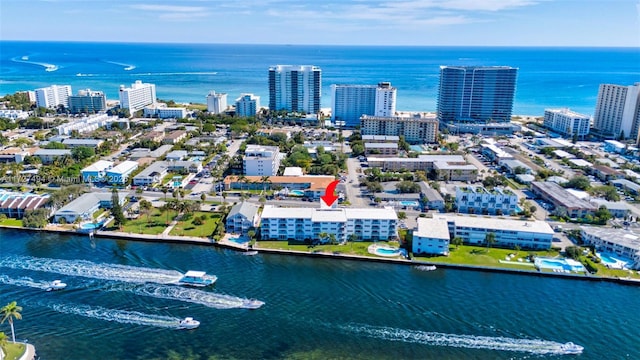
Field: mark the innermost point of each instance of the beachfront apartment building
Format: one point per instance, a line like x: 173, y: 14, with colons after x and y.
x: 261, y: 160
x: 137, y: 96
x: 242, y: 217
x: 475, y: 95
x: 350, y: 102
x: 306, y: 224
x: 162, y: 111
x: 120, y: 173
x: 295, y: 88
x: 216, y: 102
x: 622, y: 242
x: 431, y: 236
x: 567, y: 123
x: 417, y: 128
x: 87, y: 102
x: 617, y: 111
x: 53, y: 96
x: 480, y: 200
x: 247, y: 105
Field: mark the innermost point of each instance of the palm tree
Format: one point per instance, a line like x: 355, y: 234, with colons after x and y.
x: 9, y: 312
x: 264, y: 180
x: 3, y: 340
x: 457, y: 241
x: 165, y: 191
x: 146, y: 206
x: 322, y: 236
x: 490, y: 239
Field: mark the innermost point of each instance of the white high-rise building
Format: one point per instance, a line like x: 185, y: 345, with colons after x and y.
x: 617, y: 111
x: 53, y: 96
x: 247, y: 105
x: 350, y: 102
x: 295, y: 88
x: 216, y: 102
x: 567, y: 122
x: 137, y: 96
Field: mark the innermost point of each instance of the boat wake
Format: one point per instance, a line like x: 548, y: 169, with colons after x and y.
x: 212, y: 300
x: 120, y: 316
x: 24, y: 281
x: 532, y: 346
x: 126, y: 67
x: 92, y: 270
x: 47, y: 67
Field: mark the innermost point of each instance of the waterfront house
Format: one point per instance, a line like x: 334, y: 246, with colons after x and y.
x: 83, y: 207
x: 241, y: 218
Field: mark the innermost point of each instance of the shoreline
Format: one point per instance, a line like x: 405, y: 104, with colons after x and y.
x: 320, y: 255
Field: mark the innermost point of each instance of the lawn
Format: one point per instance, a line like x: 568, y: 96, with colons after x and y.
x: 11, y: 222
x: 156, y: 223
x: 605, y: 271
x: 481, y: 256
x: 351, y: 248
x: 14, y: 351
x: 188, y: 228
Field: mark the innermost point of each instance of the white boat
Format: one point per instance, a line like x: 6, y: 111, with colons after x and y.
x: 250, y: 253
x: 426, y: 267
x: 25, y: 58
x: 189, y: 323
x: 571, y: 348
x: 56, y: 285
x: 253, y: 304
x: 197, y: 278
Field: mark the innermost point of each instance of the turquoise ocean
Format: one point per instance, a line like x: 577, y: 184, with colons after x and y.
x: 120, y: 304
x: 547, y: 77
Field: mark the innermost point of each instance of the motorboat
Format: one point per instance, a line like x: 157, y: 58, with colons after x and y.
x: 571, y: 348
x: 197, y: 278
x: 426, y: 267
x: 56, y: 285
x: 253, y: 304
x: 189, y: 323
x: 250, y: 253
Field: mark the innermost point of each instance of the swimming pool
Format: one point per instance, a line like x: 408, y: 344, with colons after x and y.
x: 558, y: 264
x: 296, y: 193
x: 383, y: 250
x: 91, y: 226
x: 239, y: 240
x: 410, y: 203
x: 613, y: 261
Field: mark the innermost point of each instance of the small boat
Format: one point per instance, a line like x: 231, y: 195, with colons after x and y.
x: 25, y: 58
x: 426, y: 267
x: 188, y: 323
x: 250, y: 253
x: 197, y: 278
x: 56, y: 285
x: 253, y: 304
x: 571, y: 348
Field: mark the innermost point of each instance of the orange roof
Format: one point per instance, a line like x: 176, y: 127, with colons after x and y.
x: 315, y: 182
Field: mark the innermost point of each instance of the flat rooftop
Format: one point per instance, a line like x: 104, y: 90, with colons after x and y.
x: 492, y: 223
x: 436, y: 228
x: 562, y: 197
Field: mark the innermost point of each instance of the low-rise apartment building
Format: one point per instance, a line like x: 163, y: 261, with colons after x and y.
x: 624, y: 243
x: 479, y: 200
x: 306, y: 224
x: 381, y: 149
x: 416, y: 128
x: 565, y: 203
x: 431, y: 236
x: 241, y: 218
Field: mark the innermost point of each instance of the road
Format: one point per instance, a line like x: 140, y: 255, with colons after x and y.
x: 352, y: 185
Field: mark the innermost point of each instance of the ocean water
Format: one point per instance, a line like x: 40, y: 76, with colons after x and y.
x: 547, y: 77
x: 120, y: 304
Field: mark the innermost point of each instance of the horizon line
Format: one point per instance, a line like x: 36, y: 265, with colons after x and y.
x: 323, y: 44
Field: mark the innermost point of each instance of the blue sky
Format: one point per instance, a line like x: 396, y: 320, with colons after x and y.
x: 348, y: 22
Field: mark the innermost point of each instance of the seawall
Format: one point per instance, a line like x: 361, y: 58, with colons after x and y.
x: 322, y: 255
